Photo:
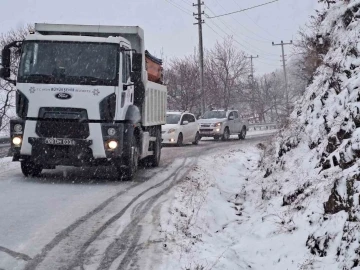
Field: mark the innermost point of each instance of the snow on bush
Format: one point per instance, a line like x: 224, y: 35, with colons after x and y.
x: 314, y: 164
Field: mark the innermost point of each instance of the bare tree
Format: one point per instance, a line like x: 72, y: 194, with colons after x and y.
x: 7, y: 90
x: 226, y: 67
x: 183, y: 84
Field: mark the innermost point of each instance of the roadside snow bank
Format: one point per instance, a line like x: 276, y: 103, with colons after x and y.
x: 226, y: 215
x: 312, y: 172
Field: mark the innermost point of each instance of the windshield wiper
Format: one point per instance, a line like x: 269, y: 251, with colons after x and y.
x: 40, y: 77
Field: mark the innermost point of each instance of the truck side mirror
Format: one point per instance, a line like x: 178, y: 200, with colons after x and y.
x: 137, y: 62
x: 5, y: 57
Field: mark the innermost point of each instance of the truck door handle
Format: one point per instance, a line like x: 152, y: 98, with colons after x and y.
x: 125, y: 86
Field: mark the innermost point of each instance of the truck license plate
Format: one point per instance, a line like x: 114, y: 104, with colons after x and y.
x: 59, y: 141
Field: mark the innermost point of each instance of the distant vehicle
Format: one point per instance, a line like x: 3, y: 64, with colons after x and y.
x: 221, y: 124
x: 86, y: 98
x: 180, y: 128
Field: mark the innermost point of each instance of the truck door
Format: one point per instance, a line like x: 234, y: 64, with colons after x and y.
x: 125, y: 95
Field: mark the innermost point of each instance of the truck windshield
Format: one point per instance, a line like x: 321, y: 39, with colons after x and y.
x: 214, y: 114
x: 172, y: 118
x: 69, y: 63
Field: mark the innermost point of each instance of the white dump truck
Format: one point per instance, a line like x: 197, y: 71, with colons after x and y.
x: 84, y: 99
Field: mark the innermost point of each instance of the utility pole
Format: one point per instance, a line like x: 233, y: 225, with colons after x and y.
x: 252, y: 81
x: 199, y: 22
x: 285, y: 76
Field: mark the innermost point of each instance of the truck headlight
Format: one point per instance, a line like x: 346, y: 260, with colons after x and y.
x: 17, y: 141
x: 172, y: 130
x: 112, y: 145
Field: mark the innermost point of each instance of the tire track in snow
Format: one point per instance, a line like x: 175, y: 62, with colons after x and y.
x: 123, y: 244
x: 14, y: 254
x: 39, y: 258
x: 80, y: 257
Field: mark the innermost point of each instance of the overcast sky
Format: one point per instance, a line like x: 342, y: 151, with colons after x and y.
x: 168, y: 24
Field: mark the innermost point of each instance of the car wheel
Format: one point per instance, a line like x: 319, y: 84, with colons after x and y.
x: 197, y: 138
x: 226, y: 135
x: 180, y: 140
x: 29, y: 168
x: 242, y: 134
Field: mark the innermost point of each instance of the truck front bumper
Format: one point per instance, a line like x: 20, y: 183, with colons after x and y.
x: 80, y: 152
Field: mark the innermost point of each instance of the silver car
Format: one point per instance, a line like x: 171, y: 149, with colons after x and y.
x: 221, y: 124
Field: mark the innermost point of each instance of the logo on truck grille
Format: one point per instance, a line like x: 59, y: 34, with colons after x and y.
x: 63, y: 96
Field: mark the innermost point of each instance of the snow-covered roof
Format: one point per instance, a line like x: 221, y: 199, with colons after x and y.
x: 37, y: 36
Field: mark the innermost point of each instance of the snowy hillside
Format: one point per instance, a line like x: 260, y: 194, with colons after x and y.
x: 315, y: 165
x: 301, y: 209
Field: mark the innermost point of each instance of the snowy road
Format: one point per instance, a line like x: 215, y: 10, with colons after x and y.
x: 83, y: 219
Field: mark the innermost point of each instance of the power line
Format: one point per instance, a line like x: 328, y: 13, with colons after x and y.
x: 242, y: 26
x: 258, y: 40
x: 251, y: 48
x: 243, y: 9
x: 186, y: 11
x: 265, y: 30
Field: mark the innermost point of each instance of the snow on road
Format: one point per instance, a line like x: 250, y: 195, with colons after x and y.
x: 83, y: 218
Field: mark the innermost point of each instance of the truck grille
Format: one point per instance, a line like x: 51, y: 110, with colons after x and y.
x: 62, y: 123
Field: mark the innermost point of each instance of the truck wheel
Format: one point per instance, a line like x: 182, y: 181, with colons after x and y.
x: 226, y: 135
x: 180, y: 140
x: 197, y: 138
x: 155, y: 159
x: 242, y: 134
x: 29, y: 168
x: 129, y: 171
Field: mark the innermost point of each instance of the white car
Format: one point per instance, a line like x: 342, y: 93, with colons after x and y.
x: 180, y: 128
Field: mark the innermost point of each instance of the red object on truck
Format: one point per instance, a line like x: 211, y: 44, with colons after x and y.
x: 154, y: 68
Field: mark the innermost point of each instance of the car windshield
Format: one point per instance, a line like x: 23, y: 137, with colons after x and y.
x: 214, y: 114
x: 172, y: 118
x: 69, y: 63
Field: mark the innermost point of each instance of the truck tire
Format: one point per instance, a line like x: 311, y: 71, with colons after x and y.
x: 154, y: 160
x: 31, y: 169
x: 127, y: 172
x: 242, y: 134
x: 226, y: 135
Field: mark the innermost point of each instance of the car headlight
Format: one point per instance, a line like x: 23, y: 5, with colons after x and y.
x: 216, y: 125
x: 172, y: 130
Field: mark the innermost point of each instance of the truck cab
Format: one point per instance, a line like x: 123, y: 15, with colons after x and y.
x: 221, y: 124
x: 84, y: 99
